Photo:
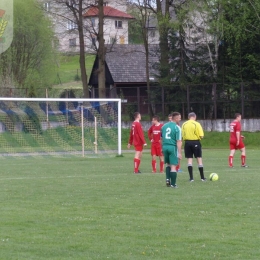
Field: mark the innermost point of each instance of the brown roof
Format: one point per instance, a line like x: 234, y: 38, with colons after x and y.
x: 2, y: 12
x: 108, y: 12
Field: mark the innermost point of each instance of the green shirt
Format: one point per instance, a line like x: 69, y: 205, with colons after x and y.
x: 171, y: 133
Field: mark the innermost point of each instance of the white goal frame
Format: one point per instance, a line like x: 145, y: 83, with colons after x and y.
x: 119, y: 131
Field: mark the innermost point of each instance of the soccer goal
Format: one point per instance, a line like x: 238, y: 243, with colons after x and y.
x: 60, y: 127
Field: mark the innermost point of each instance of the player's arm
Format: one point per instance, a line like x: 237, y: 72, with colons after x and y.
x: 179, y: 145
x: 238, y: 137
x: 200, y: 131
x: 150, y: 133
x: 179, y: 142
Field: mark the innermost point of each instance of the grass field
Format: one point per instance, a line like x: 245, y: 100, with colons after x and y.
x: 60, y: 208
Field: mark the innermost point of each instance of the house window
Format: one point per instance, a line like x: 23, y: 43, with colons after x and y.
x: 47, y: 6
x: 93, y: 22
x: 72, y: 42
x: 71, y: 25
x: 118, y: 24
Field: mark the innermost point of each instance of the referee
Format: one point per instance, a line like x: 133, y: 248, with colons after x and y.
x: 192, y: 133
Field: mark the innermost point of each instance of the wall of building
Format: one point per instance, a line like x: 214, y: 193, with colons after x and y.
x: 248, y: 125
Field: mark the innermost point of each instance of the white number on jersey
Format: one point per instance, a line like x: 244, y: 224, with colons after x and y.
x: 168, y: 132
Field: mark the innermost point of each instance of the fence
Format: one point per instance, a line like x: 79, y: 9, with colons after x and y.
x: 208, y: 101
x: 211, y: 101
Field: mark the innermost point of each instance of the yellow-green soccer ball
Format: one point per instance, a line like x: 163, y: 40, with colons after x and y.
x: 213, y: 176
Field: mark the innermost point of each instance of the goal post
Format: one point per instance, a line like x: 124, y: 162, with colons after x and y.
x: 60, y: 126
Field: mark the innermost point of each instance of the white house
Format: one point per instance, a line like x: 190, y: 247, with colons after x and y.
x: 65, y: 29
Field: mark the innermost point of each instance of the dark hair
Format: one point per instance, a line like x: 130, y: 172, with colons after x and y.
x: 170, y: 115
x: 191, y: 114
x: 136, y: 114
x: 156, y: 118
x: 174, y: 114
x: 237, y: 115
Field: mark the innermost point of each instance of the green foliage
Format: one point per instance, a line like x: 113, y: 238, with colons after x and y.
x: 30, y: 61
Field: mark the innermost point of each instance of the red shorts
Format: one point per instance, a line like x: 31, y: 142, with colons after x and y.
x: 233, y: 146
x: 139, y: 148
x: 156, y: 149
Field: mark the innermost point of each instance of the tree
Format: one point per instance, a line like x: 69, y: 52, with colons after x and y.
x: 73, y: 11
x: 28, y: 63
x: 101, y: 51
x: 142, y: 13
x: 162, y: 11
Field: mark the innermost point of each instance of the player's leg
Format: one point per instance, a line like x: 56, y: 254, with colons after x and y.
x: 173, y: 162
x: 137, y: 158
x: 232, y: 147
x: 160, y: 154
x: 153, y: 153
x: 161, y: 164
x: 167, y: 168
x: 189, y: 155
x: 243, y: 157
x: 198, y: 156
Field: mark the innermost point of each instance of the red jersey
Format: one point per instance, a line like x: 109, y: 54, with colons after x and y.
x: 235, y: 127
x: 154, y: 133
x: 136, y: 134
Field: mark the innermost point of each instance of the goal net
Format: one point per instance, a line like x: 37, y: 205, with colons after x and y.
x: 59, y: 127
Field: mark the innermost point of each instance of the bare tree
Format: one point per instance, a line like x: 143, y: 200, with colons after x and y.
x: 101, y: 51
x: 143, y: 14
x: 73, y: 11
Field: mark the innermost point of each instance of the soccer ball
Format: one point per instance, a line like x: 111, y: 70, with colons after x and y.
x: 213, y: 176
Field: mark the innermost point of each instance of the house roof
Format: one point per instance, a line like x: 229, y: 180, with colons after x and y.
x: 2, y: 12
x: 126, y: 63
x: 108, y: 12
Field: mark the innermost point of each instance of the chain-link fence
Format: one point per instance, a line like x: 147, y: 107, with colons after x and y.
x: 208, y: 101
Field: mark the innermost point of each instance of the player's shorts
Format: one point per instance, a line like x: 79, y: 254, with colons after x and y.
x: 156, y: 149
x: 233, y: 145
x: 170, y: 154
x: 192, y: 149
x: 139, y: 148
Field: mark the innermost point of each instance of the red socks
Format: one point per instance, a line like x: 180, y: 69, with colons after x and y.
x: 161, y: 166
x: 230, y: 161
x: 136, y: 165
x: 154, y: 165
x: 243, y: 160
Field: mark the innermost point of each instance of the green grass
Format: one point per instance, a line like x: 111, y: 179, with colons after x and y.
x: 69, y: 67
x: 61, y: 208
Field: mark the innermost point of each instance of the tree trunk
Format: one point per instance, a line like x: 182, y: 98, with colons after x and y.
x: 101, y: 52
x: 84, y: 77
x: 163, y: 18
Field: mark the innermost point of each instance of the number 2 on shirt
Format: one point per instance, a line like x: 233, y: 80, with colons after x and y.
x: 168, y: 132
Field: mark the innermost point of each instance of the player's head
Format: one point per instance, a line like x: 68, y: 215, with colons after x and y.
x: 137, y: 116
x: 170, y: 117
x: 176, y: 117
x: 155, y: 120
x: 238, y: 116
x: 192, y: 116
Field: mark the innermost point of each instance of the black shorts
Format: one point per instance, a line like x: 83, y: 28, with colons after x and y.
x: 192, y: 148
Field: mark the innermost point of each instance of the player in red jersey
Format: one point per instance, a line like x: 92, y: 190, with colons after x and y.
x: 136, y: 138
x: 154, y: 134
x: 236, y: 141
